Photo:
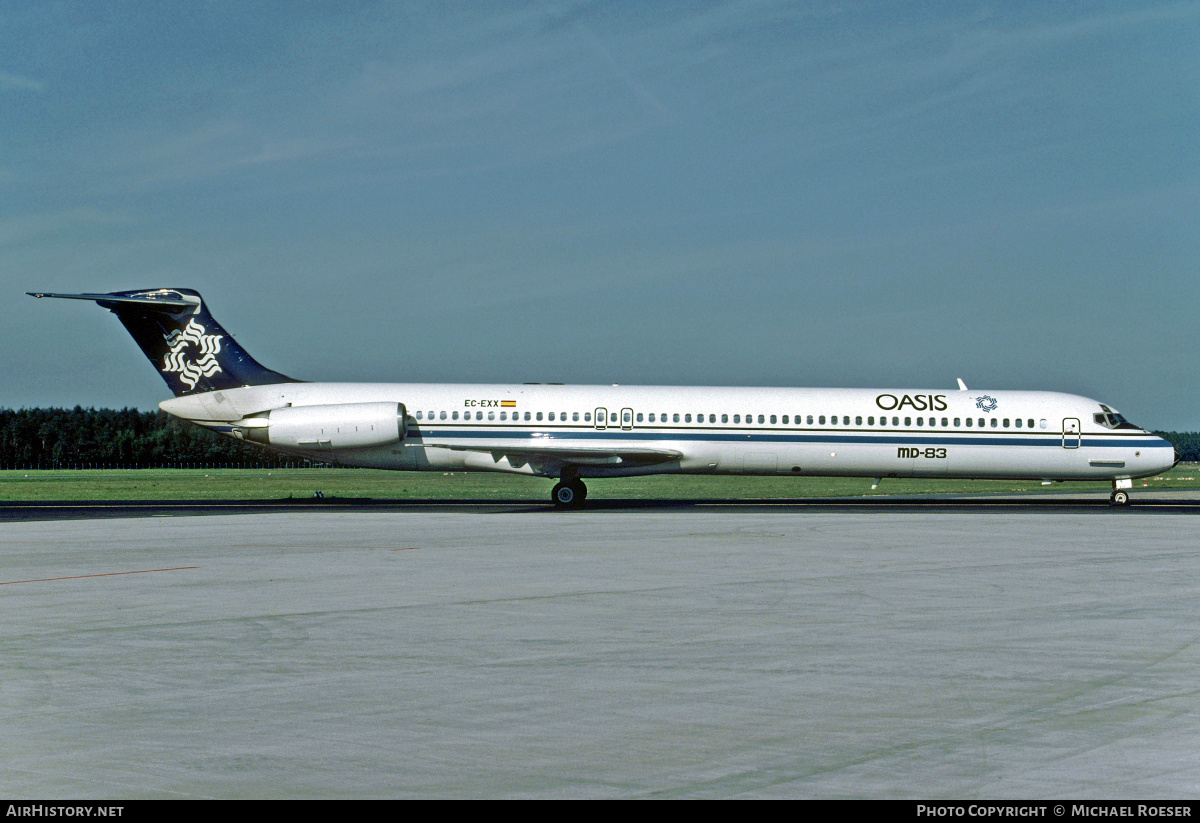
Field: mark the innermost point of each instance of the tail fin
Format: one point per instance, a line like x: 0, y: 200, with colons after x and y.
x: 183, y: 341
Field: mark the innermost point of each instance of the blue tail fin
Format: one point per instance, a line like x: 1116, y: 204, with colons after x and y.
x: 188, y: 347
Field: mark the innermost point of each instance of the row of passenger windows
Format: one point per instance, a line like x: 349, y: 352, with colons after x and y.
x: 750, y: 419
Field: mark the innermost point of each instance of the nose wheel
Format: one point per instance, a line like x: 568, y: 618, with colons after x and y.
x: 1119, y: 498
x: 569, y: 494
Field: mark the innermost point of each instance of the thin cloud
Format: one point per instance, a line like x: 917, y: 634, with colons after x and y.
x: 17, y: 82
x: 31, y: 227
x: 620, y: 72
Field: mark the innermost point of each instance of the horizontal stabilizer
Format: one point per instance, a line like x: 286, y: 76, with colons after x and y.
x: 168, y: 304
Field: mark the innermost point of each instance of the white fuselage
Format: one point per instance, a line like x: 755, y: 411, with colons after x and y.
x: 605, y: 431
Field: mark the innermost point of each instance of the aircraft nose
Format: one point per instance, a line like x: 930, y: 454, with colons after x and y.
x: 1174, y: 456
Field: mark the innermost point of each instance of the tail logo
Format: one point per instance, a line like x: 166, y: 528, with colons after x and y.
x: 207, y: 347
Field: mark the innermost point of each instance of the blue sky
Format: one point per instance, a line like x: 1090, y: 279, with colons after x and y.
x: 725, y: 193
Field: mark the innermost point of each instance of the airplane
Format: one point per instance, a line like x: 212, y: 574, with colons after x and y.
x: 575, y: 432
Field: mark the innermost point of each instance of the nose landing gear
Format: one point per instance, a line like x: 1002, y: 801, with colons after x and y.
x: 1120, y: 495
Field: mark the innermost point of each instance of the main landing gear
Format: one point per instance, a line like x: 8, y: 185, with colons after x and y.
x: 569, y: 493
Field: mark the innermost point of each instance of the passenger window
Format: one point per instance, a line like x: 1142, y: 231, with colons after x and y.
x: 712, y: 418
x: 479, y: 415
x: 527, y: 415
x: 737, y: 418
x: 418, y: 415
x: 821, y: 419
x: 871, y: 420
x: 454, y: 416
x: 908, y: 421
x: 958, y: 422
x: 491, y: 415
x: 895, y: 421
x: 945, y: 422
x: 920, y: 421
x: 1042, y: 423
x: 760, y: 419
x: 675, y: 418
x: 503, y: 415
x: 883, y: 421
x: 724, y: 418
x: 858, y: 421
x: 1006, y: 422
x: 587, y: 417
x: 539, y: 415
x: 551, y: 415
x: 982, y: 422
x: 1018, y: 422
x: 575, y: 417
x: 994, y: 422
x: 687, y: 418
x: 639, y: 417
x: 970, y: 422
x: 772, y: 420
x: 810, y: 420
x: 846, y: 420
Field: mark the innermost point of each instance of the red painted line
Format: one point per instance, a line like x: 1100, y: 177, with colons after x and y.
x: 106, y: 574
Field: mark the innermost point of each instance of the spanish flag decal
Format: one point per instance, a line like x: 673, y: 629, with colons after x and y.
x: 508, y: 404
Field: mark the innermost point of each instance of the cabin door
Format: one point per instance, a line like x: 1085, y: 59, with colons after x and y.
x: 1070, y: 432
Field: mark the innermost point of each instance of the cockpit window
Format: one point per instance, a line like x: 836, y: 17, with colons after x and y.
x: 1112, y: 420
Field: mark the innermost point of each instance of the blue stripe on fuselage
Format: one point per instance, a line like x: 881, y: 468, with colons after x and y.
x: 902, y: 438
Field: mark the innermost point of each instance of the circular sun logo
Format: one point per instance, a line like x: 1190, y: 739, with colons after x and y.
x: 204, y: 362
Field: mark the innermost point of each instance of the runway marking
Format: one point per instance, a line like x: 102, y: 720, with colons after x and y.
x: 81, y: 576
x: 405, y: 549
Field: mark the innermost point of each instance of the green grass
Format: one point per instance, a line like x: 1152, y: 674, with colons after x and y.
x: 274, y: 484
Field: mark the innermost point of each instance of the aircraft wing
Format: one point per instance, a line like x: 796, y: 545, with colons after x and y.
x: 576, y: 455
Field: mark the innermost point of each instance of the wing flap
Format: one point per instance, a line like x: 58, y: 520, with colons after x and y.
x: 576, y: 455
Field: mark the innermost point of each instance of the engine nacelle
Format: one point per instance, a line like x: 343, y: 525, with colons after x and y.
x: 333, y: 426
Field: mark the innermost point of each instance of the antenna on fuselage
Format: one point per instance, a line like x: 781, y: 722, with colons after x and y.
x: 961, y: 385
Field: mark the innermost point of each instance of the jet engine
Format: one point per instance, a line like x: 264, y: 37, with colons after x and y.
x: 332, y: 426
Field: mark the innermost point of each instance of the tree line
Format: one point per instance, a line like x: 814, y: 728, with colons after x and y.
x: 128, y: 438
x: 1186, y: 443
x: 124, y: 438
